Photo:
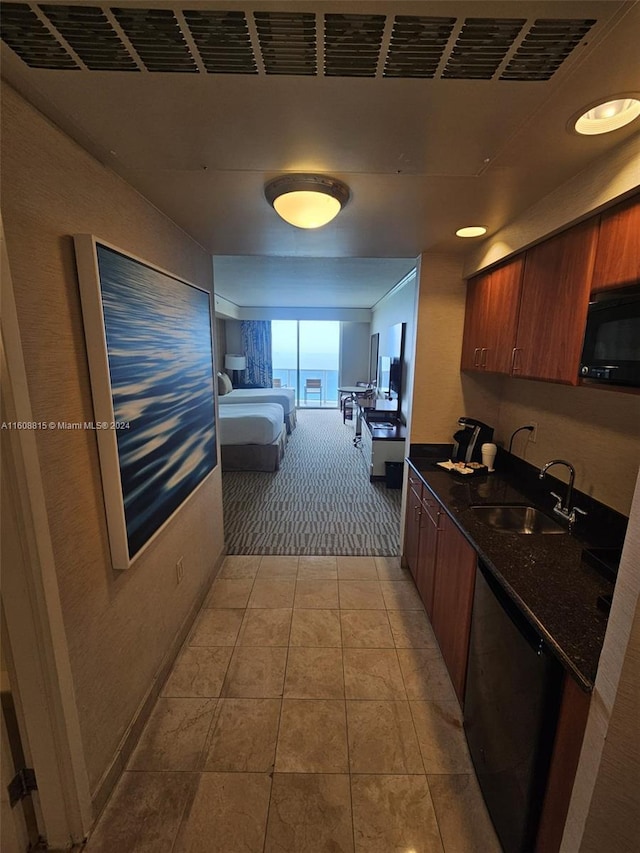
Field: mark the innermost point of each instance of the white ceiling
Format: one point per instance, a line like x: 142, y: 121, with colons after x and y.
x: 422, y: 157
x: 307, y: 282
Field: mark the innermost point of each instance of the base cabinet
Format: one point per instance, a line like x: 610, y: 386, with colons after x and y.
x: 412, y: 525
x: 431, y: 513
x: 454, y: 581
x: 443, y: 565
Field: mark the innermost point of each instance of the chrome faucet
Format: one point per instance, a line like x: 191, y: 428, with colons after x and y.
x: 566, y: 511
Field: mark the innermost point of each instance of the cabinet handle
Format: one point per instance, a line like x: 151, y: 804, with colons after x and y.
x: 483, y: 356
x: 514, y: 356
x: 475, y: 356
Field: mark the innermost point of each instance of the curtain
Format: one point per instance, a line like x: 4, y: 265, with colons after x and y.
x: 256, y: 343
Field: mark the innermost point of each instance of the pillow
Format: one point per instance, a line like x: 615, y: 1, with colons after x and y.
x: 224, y: 384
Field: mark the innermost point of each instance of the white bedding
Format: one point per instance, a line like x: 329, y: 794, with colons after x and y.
x: 240, y: 396
x: 257, y: 423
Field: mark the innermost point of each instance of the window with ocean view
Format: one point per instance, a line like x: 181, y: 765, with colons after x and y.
x: 305, y: 356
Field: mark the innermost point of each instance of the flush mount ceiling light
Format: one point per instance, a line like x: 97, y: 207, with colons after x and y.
x: 471, y: 231
x: 307, y: 201
x: 606, y: 116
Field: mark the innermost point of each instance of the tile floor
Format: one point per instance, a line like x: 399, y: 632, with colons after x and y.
x: 310, y: 710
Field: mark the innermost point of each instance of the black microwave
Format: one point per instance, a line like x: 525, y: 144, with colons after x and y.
x: 611, y: 352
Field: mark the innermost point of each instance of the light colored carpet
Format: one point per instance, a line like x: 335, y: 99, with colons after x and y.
x: 319, y: 502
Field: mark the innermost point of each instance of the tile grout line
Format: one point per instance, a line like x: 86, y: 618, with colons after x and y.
x: 346, y: 725
x: 284, y: 679
x: 214, y: 717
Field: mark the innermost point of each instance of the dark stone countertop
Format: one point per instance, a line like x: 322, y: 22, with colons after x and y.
x: 545, y: 575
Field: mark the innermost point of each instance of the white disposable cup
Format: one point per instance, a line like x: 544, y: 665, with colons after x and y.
x: 488, y: 455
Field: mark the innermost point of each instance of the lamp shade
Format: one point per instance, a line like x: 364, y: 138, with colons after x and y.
x: 235, y: 362
x: 307, y: 201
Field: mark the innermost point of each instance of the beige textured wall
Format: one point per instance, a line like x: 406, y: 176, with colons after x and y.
x: 611, y: 176
x: 119, y: 625
x: 596, y: 430
x: 441, y: 394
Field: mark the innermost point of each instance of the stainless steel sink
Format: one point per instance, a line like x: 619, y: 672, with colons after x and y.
x: 516, y: 519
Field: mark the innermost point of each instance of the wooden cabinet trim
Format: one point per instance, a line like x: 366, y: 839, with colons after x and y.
x: 617, y: 260
x: 572, y: 722
x: 553, y: 309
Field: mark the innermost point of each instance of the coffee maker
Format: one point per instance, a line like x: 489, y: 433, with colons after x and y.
x: 468, y: 441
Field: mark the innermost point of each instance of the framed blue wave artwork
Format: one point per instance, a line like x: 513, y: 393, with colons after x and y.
x: 149, y: 343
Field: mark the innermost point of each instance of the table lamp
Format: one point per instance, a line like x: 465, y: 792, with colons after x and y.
x: 237, y: 363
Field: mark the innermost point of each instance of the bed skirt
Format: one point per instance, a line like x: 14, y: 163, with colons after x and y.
x: 254, y: 457
x: 290, y: 421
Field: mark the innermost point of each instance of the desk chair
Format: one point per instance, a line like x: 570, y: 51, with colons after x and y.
x: 313, y: 386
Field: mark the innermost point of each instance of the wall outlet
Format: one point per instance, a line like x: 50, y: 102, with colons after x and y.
x: 179, y: 570
x: 533, y: 435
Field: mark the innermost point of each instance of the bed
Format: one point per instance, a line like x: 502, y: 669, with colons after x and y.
x: 284, y: 396
x: 252, y: 436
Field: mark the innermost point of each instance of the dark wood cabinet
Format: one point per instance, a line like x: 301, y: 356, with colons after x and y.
x: 553, y: 306
x: 454, y: 582
x: 618, y: 253
x: 443, y: 565
x: 504, y: 306
x: 429, y: 534
x: 412, y: 524
x: 475, y: 321
x: 491, y: 318
x: 572, y: 721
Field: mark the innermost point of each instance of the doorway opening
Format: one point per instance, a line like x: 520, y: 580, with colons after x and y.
x: 306, y: 357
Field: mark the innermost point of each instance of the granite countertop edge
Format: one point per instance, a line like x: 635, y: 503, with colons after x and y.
x: 544, y: 575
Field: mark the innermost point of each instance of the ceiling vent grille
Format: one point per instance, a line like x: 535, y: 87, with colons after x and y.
x: 157, y: 38
x: 484, y: 48
x: 417, y: 45
x: 480, y: 47
x: 25, y: 33
x: 545, y: 47
x: 352, y: 44
x: 88, y: 31
x: 287, y: 42
x: 223, y: 41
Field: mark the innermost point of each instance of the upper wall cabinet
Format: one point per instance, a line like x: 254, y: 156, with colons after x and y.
x: 491, y: 318
x: 618, y: 253
x: 553, y: 308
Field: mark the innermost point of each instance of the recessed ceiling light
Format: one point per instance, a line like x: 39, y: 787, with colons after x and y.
x: 307, y: 201
x: 607, y: 116
x: 471, y: 231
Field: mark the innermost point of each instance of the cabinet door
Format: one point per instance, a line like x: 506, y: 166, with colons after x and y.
x: 553, y: 307
x: 429, y: 531
x: 452, y: 600
x: 496, y: 354
x: 475, y: 321
x: 412, y: 527
x: 618, y: 253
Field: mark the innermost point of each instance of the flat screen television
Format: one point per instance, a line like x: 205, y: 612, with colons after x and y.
x: 395, y: 378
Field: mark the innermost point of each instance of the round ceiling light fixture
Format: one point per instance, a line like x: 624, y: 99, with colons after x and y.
x: 605, y: 116
x: 307, y: 201
x: 471, y: 231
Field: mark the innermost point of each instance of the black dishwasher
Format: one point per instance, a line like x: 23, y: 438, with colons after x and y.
x: 511, y: 707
